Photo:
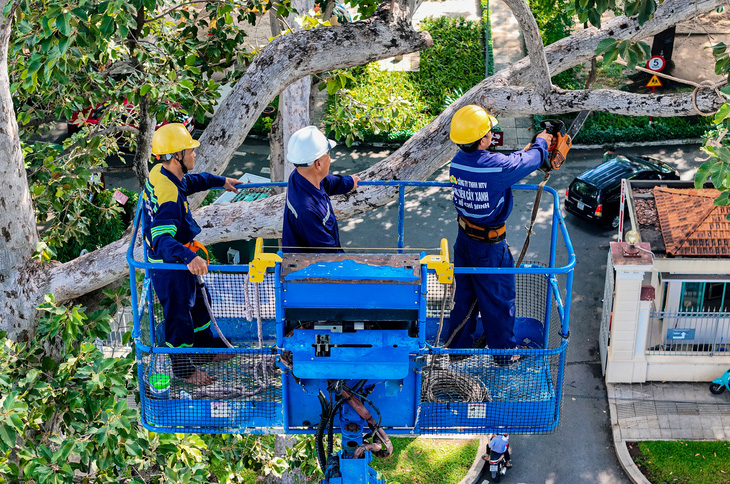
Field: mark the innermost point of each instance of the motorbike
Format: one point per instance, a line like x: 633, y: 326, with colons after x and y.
x: 497, y: 463
x: 719, y: 385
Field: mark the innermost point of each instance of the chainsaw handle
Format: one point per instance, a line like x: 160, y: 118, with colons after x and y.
x: 553, y: 126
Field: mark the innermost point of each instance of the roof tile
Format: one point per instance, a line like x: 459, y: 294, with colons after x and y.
x: 691, y: 224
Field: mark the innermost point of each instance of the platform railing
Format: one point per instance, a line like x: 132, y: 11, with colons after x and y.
x: 556, y: 297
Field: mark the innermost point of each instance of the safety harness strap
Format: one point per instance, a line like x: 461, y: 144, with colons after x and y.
x: 482, y: 233
x: 195, y: 246
x: 535, y: 208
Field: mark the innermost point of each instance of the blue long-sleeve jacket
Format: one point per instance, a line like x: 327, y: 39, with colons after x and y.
x: 482, y: 181
x: 168, y: 222
x: 309, y: 220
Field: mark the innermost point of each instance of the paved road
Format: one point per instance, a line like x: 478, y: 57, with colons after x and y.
x: 581, y: 449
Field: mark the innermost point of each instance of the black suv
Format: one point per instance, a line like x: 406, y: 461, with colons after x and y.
x: 596, y: 194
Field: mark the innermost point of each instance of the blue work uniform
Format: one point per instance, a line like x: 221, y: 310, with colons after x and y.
x: 482, y: 195
x: 309, y: 220
x: 168, y: 226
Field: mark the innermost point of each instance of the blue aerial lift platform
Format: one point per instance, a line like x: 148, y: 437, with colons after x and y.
x: 352, y: 341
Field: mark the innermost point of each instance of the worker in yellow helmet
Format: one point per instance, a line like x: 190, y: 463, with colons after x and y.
x: 169, y: 232
x: 482, y: 195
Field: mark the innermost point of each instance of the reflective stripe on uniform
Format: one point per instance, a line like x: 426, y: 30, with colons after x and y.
x: 327, y: 216
x: 291, y: 207
x: 163, y: 229
x: 473, y: 169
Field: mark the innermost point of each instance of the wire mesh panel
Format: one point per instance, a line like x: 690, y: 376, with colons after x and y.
x: 236, y: 310
x: 213, y: 390
x: 245, y: 391
x: 486, y: 390
x: 473, y: 394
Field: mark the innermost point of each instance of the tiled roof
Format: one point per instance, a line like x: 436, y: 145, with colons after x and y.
x: 691, y: 224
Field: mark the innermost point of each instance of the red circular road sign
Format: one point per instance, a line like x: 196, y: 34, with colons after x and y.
x: 656, y: 63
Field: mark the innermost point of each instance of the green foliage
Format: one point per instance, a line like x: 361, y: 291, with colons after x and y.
x: 717, y: 167
x: 374, y: 105
x: 427, y: 461
x: 91, y: 224
x: 456, y: 60
x: 552, y: 19
x: 606, y: 128
x: 64, y: 412
x: 632, y: 52
x: 487, y: 30
x: 678, y: 461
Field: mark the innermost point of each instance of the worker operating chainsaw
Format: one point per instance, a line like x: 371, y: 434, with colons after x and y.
x: 482, y: 182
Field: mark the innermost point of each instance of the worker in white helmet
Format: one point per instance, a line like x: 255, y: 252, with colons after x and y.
x: 309, y: 221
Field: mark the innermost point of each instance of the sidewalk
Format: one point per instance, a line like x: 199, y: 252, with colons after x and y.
x: 664, y: 411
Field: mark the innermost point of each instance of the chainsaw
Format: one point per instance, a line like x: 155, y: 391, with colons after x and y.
x: 557, y: 153
x: 562, y: 140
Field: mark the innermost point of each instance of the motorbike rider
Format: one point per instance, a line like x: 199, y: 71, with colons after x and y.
x: 499, y: 444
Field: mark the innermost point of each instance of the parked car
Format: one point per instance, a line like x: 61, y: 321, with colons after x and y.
x: 94, y: 115
x: 596, y: 194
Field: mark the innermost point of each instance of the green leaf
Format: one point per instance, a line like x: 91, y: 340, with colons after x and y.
x: 191, y: 59
x: 605, y: 45
x: 647, y: 10
x: 144, y: 89
x: 609, y: 57
x: 7, y: 436
x: 594, y: 17
x: 722, y: 113
x: 702, y: 173
x: 722, y: 200
x: 62, y: 24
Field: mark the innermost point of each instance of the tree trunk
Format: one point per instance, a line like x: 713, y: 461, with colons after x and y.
x: 276, y: 152
x: 144, y: 141
x: 18, y: 234
x: 293, y: 111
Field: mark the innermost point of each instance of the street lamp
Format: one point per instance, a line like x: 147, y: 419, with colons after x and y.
x: 632, y: 238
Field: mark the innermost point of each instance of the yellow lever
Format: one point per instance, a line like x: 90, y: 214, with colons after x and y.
x: 440, y: 263
x: 261, y: 261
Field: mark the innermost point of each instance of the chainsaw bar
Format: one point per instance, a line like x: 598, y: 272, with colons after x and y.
x: 578, y: 123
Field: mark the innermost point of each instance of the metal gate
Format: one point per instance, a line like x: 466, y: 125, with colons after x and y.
x: 604, y: 333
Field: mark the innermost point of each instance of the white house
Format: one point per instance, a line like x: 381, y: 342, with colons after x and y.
x: 666, y: 310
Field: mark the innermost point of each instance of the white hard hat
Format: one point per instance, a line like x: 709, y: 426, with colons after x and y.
x: 306, y: 145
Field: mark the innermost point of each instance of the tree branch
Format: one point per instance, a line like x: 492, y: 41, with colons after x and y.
x: 294, y: 56
x: 533, y: 41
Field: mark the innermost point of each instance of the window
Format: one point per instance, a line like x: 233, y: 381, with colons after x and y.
x: 705, y: 296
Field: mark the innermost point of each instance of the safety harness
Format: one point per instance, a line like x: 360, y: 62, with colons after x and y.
x: 487, y: 234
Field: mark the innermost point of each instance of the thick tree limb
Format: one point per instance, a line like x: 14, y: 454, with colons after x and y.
x: 294, y: 56
x: 536, y: 52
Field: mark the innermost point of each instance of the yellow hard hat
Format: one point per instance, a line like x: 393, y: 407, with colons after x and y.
x: 172, y: 138
x: 471, y: 123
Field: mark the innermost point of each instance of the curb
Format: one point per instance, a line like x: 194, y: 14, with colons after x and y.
x: 622, y: 453
x: 478, y: 465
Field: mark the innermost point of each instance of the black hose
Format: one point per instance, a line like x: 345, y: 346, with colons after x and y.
x: 321, y: 458
x: 331, y: 422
